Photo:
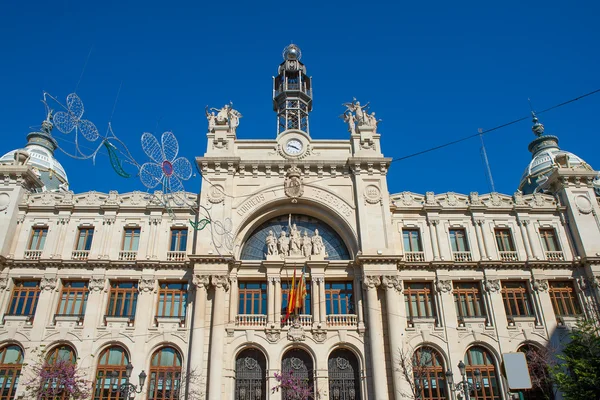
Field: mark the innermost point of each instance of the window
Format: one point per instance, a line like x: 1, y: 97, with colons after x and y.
x: 418, y: 298
x: 11, y: 362
x: 84, y: 239
x: 412, y: 240
x: 537, y: 363
x: 38, y: 237
x: 58, y: 358
x: 516, y: 299
x: 73, y: 298
x: 428, y: 374
x: 563, y: 298
x: 123, y: 299
x: 61, y: 353
x: 285, y: 295
x: 251, y: 373
x: 458, y: 240
x: 165, y: 375
x: 504, y: 240
x: 172, y: 299
x: 549, y: 239
x: 178, y: 239
x: 468, y: 300
x: 112, y: 359
x: 339, y: 298
x: 253, y: 298
x: 479, y: 358
x: 131, y: 239
x: 24, y: 298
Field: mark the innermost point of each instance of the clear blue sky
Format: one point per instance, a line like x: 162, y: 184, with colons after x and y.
x: 433, y: 71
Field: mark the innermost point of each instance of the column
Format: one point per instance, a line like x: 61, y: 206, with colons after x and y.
x: 316, y: 300
x: 322, y: 309
x: 477, y: 222
x: 378, y: 373
x: 233, y: 299
x: 531, y: 235
x: 359, y: 303
x: 433, y: 236
x: 198, y: 334
x: 221, y: 285
x: 44, y: 312
x: 270, y: 301
x: 277, y: 283
x: 393, y: 286
x: 485, y: 241
x: 439, y: 239
x: 522, y: 224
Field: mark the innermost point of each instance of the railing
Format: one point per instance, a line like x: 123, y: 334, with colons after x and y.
x: 80, y: 254
x: 76, y: 317
x: 509, y: 256
x: 304, y: 319
x: 342, y: 320
x: 176, y: 255
x: 555, y: 256
x: 127, y: 255
x: 33, y: 254
x: 251, y: 320
x: 414, y: 256
x: 462, y: 256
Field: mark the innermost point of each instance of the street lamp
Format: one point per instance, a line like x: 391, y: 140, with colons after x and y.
x: 464, y: 387
x: 127, y: 389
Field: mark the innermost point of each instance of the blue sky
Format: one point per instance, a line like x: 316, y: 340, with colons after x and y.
x: 433, y: 71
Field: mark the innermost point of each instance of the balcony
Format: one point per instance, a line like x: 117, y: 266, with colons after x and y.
x: 80, y: 255
x: 259, y: 320
x: 304, y: 319
x: 68, y: 320
x: 414, y: 256
x: 342, y: 320
x: 33, y: 254
x: 127, y: 255
x: 119, y: 321
x: 462, y: 256
x: 169, y: 322
x: 555, y: 256
x: 176, y: 255
x: 509, y: 256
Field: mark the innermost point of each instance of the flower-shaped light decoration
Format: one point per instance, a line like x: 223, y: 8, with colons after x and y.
x: 166, y: 168
x: 71, y: 119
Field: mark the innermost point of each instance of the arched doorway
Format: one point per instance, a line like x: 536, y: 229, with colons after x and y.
x: 344, y: 375
x: 11, y: 362
x: 537, y: 362
x: 250, y: 375
x: 114, y: 358
x: 56, y: 361
x: 165, y: 375
x: 298, y: 363
x: 428, y: 374
x: 480, y: 358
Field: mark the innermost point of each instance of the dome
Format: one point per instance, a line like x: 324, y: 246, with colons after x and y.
x: 40, y: 148
x: 292, y: 52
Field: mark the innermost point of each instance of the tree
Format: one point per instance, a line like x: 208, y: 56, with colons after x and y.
x: 293, y: 387
x: 418, y: 367
x: 540, y: 361
x: 194, y: 384
x: 578, y: 374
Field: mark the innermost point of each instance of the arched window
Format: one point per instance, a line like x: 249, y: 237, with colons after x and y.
x: 479, y: 358
x: 165, y: 375
x: 428, y: 374
x: 112, y: 359
x: 11, y: 361
x: 58, y: 355
x: 299, y: 364
x: 250, y: 375
x: 344, y: 377
x: 537, y: 362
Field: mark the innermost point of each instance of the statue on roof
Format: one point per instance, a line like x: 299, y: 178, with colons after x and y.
x: 355, y: 107
x: 226, y: 115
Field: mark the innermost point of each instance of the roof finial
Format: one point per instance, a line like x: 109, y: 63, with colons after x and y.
x: 47, y: 124
x: 537, y: 128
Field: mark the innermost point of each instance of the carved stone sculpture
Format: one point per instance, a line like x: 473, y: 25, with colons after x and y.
x: 272, y: 244
x: 317, y: 242
x: 306, y: 245
x: 355, y: 107
x: 225, y: 116
x: 284, y: 244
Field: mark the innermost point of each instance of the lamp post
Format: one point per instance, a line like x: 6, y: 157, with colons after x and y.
x: 127, y: 389
x: 464, y: 387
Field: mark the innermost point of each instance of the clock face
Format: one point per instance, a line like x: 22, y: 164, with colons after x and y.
x: 293, y: 147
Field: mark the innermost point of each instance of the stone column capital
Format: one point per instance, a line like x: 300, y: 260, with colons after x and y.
x: 492, y: 285
x: 392, y: 282
x: 48, y: 283
x: 221, y: 282
x: 200, y: 281
x: 443, y: 286
x: 146, y: 285
x: 371, y: 281
x: 540, y: 285
x: 433, y: 221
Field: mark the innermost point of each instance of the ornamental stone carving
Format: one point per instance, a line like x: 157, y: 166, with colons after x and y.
x: 293, y: 186
x: 97, y: 284
x: 319, y: 335
x: 220, y: 282
x: 146, y: 285
x: 475, y: 200
x: 200, y: 281
x: 48, y: 283
x: 443, y: 286
x: 392, y: 282
x: 540, y: 285
x: 372, y: 194
x: 3, y: 283
x: 296, y: 244
x: 430, y: 199
x: 371, y: 281
x: 492, y: 285
x: 273, y: 335
x: 296, y: 332
x: 216, y: 194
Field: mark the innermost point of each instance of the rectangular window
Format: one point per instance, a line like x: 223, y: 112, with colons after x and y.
x: 564, y: 300
x: 84, y: 239
x: 339, y: 298
x: 253, y: 298
x: 24, y: 298
x: 172, y: 299
x: 468, y: 300
x: 131, y: 239
x: 122, y: 299
x: 38, y: 237
x: 418, y: 298
x: 412, y: 240
x: 285, y: 295
x: 73, y: 298
x: 458, y: 240
x: 516, y: 299
x: 178, y: 239
x: 549, y: 239
x: 504, y: 240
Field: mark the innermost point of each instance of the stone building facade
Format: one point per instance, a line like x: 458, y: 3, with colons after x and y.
x: 119, y: 278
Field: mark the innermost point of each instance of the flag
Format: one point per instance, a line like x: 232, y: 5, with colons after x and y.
x: 301, y: 292
x: 291, y: 298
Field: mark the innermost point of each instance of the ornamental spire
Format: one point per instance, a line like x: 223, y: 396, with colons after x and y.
x: 537, y: 128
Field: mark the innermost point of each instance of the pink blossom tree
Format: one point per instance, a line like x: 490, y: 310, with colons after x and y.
x: 293, y: 387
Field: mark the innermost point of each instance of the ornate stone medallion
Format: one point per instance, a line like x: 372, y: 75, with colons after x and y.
x: 293, y: 187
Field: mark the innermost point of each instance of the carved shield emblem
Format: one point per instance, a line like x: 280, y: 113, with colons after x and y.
x: 293, y: 184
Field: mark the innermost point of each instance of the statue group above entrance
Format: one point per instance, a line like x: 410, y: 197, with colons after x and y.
x: 357, y: 115
x: 295, y: 244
